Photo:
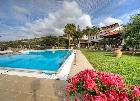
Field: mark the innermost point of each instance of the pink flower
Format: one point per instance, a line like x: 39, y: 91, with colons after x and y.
x: 88, y: 97
x: 89, y: 83
x: 70, y: 88
x: 112, y: 95
x: 81, y: 74
x: 111, y: 79
x: 123, y: 96
x: 101, y: 97
x: 136, y: 91
x: 74, y: 80
x: 100, y: 86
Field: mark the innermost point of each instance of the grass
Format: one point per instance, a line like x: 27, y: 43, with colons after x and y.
x: 127, y: 66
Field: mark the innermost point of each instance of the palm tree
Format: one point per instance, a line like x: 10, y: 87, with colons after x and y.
x: 70, y: 29
x: 90, y: 31
x: 78, y: 35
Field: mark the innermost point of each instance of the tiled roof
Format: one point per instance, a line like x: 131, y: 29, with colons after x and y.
x: 111, y: 33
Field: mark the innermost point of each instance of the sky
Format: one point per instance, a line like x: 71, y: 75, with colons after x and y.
x: 25, y: 19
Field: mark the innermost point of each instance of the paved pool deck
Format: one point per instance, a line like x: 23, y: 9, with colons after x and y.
x: 80, y: 63
x: 16, y: 88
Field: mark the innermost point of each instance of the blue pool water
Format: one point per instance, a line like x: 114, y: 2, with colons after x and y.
x: 38, y: 60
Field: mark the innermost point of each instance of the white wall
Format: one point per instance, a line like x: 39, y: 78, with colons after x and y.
x: 98, y: 37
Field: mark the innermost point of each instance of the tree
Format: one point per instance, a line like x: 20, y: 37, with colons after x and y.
x: 132, y: 32
x: 78, y: 35
x: 90, y: 31
x: 70, y: 29
x: 53, y: 41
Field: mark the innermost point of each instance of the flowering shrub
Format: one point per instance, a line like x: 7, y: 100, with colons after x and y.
x: 90, y: 85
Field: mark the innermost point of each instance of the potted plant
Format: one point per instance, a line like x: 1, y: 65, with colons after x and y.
x: 117, y: 52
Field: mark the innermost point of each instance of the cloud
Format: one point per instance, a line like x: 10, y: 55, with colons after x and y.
x: 20, y: 10
x: 125, y: 17
x: 109, y: 21
x: 8, y: 33
x: 54, y: 24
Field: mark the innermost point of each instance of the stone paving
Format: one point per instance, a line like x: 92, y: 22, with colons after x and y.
x: 80, y: 63
x: 15, y: 88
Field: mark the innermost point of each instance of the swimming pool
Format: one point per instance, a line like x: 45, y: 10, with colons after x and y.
x: 50, y: 60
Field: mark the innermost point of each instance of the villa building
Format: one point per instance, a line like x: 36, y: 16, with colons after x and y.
x: 84, y: 41
x: 106, y: 32
x: 110, y: 34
